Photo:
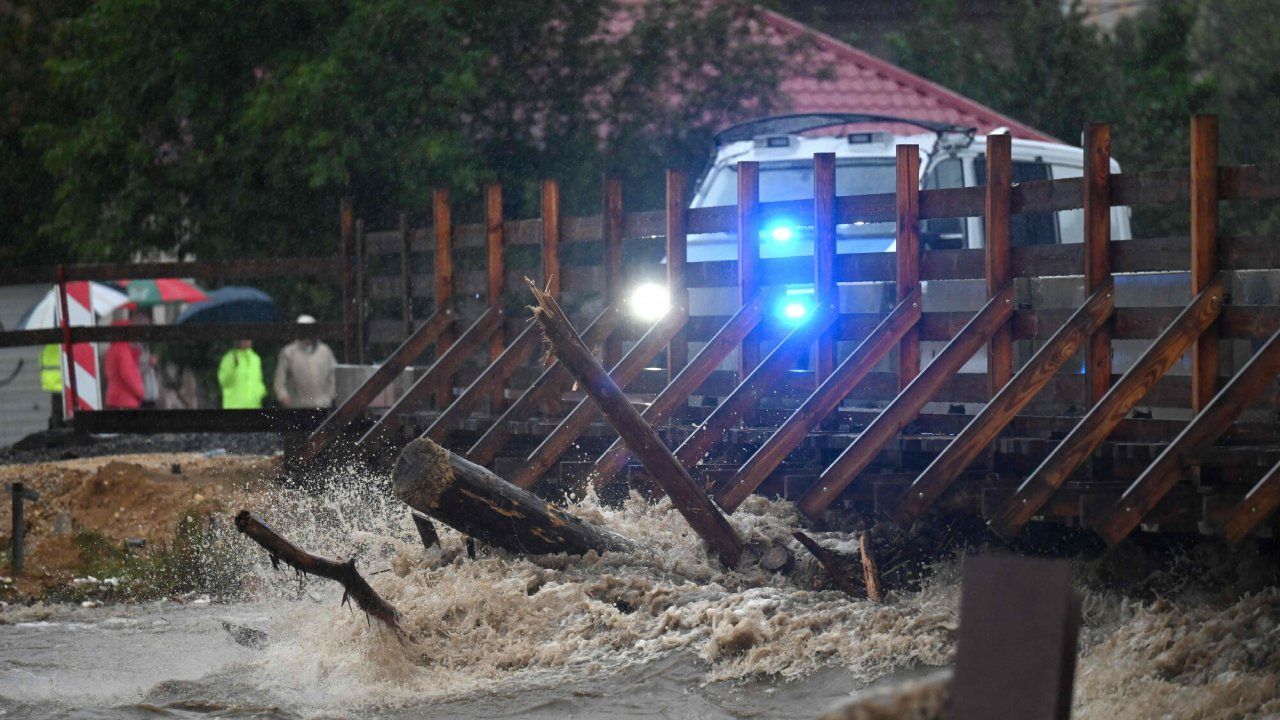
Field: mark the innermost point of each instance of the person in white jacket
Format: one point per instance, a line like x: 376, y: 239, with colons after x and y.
x: 305, y: 373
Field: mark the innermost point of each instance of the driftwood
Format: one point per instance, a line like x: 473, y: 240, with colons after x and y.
x: 474, y: 501
x: 687, y: 496
x: 354, y: 587
x: 426, y: 530
x: 853, y: 576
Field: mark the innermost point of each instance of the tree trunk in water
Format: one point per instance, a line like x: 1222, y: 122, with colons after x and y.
x: 474, y: 501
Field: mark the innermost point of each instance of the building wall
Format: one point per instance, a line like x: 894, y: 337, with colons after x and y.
x: 24, y: 407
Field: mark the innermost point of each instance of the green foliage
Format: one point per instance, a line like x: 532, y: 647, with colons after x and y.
x: 224, y: 129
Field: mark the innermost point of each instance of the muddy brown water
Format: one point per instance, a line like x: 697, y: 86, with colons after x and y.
x: 665, y: 633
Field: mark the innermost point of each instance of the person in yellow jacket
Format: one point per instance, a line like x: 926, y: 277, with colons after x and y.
x: 240, y: 376
x: 51, y: 381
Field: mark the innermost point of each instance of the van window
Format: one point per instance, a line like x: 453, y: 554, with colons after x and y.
x: 793, y: 180
x: 1026, y: 228
x: 944, y: 233
x: 1070, y: 222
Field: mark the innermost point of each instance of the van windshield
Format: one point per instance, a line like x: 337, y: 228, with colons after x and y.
x: 793, y: 180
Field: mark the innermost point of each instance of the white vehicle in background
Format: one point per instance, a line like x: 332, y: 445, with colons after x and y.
x: 950, y: 157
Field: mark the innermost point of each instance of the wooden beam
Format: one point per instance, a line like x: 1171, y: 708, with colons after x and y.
x: 497, y: 275
x: 444, y: 366
x: 354, y: 405
x: 907, y: 242
x: 824, y: 255
x: 1102, y: 418
x: 1207, y: 426
x: 1254, y: 509
x: 551, y: 236
x: 611, y: 222
x: 698, y: 510
x: 495, y: 374
x: 406, y: 275
x: 550, y: 450
x: 442, y: 276
x: 748, y: 255
x: 1008, y: 402
x: 743, y: 400
x: 908, y: 403
x: 677, y: 259
x: 553, y: 379
x: 1097, y: 251
x: 998, y: 251
x: 1204, y: 251
x: 346, y: 222
x: 677, y: 392
x: 821, y: 403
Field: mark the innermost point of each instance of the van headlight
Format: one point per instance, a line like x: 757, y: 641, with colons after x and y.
x: 649, y: 301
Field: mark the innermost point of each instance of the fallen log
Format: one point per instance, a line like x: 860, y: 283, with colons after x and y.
x: 478, y: 503
x: 687, y: 496
x: 354, y: 587
x: 870, y: 569
x: 837, y: 568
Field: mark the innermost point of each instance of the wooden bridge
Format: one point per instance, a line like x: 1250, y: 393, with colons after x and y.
x: 844, y: 409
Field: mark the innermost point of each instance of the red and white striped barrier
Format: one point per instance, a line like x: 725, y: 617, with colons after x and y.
x: 75, y: 307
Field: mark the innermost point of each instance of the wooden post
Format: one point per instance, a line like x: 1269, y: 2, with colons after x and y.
x: 551, y: 237
x: 701, y: 514
x: 18, y: 542
x: 442, y: 229
x: 406, y: 275
x: 1207, y: 426
x: 904, y: 408
x: 1204, y: 250
x: 907, y: 239
x: 677, y: 257
x: 362, y: 332
x: 1103, y: 417
x: 497, y: 276
x: 820, y: 404
x: 824, y: 257
x: 1007, y: 403
x: 748, y: 256
x: 474, y: 501
x: 1097, y: 251
x: 611, y: 221
x: 999, y: 258
x: 70, y: 394
x: 346, y: 221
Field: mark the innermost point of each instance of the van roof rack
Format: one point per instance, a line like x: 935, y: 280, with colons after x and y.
x: 797, y: 123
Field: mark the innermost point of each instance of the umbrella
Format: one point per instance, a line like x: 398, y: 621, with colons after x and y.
x: 42, y: 315
x: 162, y: 290
x: 232, y: 304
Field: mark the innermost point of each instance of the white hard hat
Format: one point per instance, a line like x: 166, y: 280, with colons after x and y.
x: 306, y: 320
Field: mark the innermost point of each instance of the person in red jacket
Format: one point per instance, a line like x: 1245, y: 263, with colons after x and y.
x: 124, y: 378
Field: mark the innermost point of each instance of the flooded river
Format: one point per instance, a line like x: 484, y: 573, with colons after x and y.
x: 664, y: 633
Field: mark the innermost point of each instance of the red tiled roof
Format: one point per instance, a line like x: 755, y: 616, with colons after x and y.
x: 862, y: 83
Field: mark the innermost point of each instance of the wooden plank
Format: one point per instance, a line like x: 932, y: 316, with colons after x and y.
x: 1097, y: 251
x: 904, y: 408
x: 175, y: 333
x: 677, y: 259
x: 725, y: 341
x: 997, y: 247
x: 354, y: 405
x: 824, y: 254
x: 205, y: 270
x: 497, y: 278
x: 1016, y: 647
x: 907, y: 239
x: 1205, y: 360
x: 406, y: 275
x: 550, y: 450
x: 442, y: 272
x: 1102, y: 418
x: 1005, y: 405
x: 696, y: 508
x: 1258, y: 505
x: 346, y: 248
x: 748, y: 254
x: 496, y: 373
x: 821, y: 403
x: 553, y: 379
x: 744, y: 398
x: 612, y: 239
x: 551, y: 236
x: 1207, y: 426
x: 445, y: 364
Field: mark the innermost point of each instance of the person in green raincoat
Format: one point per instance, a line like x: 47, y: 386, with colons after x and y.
x: 240, y: 376
x: 51, y: 381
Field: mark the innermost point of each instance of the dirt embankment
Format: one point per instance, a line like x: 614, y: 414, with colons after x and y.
x: 116, y: 507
